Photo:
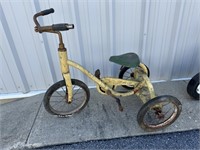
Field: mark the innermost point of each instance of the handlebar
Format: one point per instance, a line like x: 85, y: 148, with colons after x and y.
x: 52, y: 28
x: 47, y: 11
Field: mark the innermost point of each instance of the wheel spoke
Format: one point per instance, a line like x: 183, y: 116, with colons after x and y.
x: 63, y: 90
x: 55, y: 100
x: 167, y: 111
x: 76, y: 92
x: 128, y: 72
x: 166, y: 104
x: 56, y: 96
x: 59, y: 94
x: 58, y: 103
x: 74, y: 104
x: 63, y: 106
x: 75, y: 99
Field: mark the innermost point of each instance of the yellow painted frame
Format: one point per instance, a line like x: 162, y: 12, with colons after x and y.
x: 101, y: 83
x: 65, y: 63
x: 142, y: 81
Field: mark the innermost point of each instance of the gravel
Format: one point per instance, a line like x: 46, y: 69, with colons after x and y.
x: 177, y: 140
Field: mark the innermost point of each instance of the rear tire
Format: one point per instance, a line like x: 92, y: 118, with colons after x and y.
x: 127, y: 73
x: 55, y: 99
x: 193, y: 87
x: 159, y: 112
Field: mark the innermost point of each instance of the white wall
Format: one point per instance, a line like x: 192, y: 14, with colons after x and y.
x: 164, y: 33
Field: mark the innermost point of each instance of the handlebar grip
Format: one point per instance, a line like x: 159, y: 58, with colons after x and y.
x: 47, y: 11
x: 62, y: 27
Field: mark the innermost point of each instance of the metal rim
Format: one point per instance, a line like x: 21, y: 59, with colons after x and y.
x: 129, y: 75
x: 58, y: 100
x: 164, y: 122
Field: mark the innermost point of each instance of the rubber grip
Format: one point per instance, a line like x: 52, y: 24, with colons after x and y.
x: 47, y: 11
x: 59, y: 27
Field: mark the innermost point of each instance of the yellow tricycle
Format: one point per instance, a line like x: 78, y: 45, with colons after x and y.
x: 70, y: 96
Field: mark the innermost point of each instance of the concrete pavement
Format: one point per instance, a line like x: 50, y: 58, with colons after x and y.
x: 25, y: 123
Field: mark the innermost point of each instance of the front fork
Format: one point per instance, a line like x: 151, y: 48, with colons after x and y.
x: 65, y: 71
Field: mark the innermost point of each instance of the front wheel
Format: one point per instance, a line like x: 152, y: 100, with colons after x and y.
x: 56, y: 98
x: 159, y: 112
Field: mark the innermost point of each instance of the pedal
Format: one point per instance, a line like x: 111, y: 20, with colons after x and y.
x: 97, y: 73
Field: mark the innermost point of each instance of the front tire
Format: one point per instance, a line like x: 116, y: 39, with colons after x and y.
x: 55, y: 99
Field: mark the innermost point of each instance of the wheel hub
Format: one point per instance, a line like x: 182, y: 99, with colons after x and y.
x: 158, y: 113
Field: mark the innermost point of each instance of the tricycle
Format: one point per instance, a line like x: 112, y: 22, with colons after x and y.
x: 70, y: 96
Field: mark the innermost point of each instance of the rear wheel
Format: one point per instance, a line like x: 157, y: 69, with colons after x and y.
x: 128, y: 74
x: 55, y: 99
x: 159, y: 112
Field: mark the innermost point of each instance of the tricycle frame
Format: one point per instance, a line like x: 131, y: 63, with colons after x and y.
x: 65, y: 63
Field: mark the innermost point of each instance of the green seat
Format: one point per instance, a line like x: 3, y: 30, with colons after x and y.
x: 128, y: 60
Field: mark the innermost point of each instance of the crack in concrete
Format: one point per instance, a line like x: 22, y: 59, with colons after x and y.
x: 33, y: 123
